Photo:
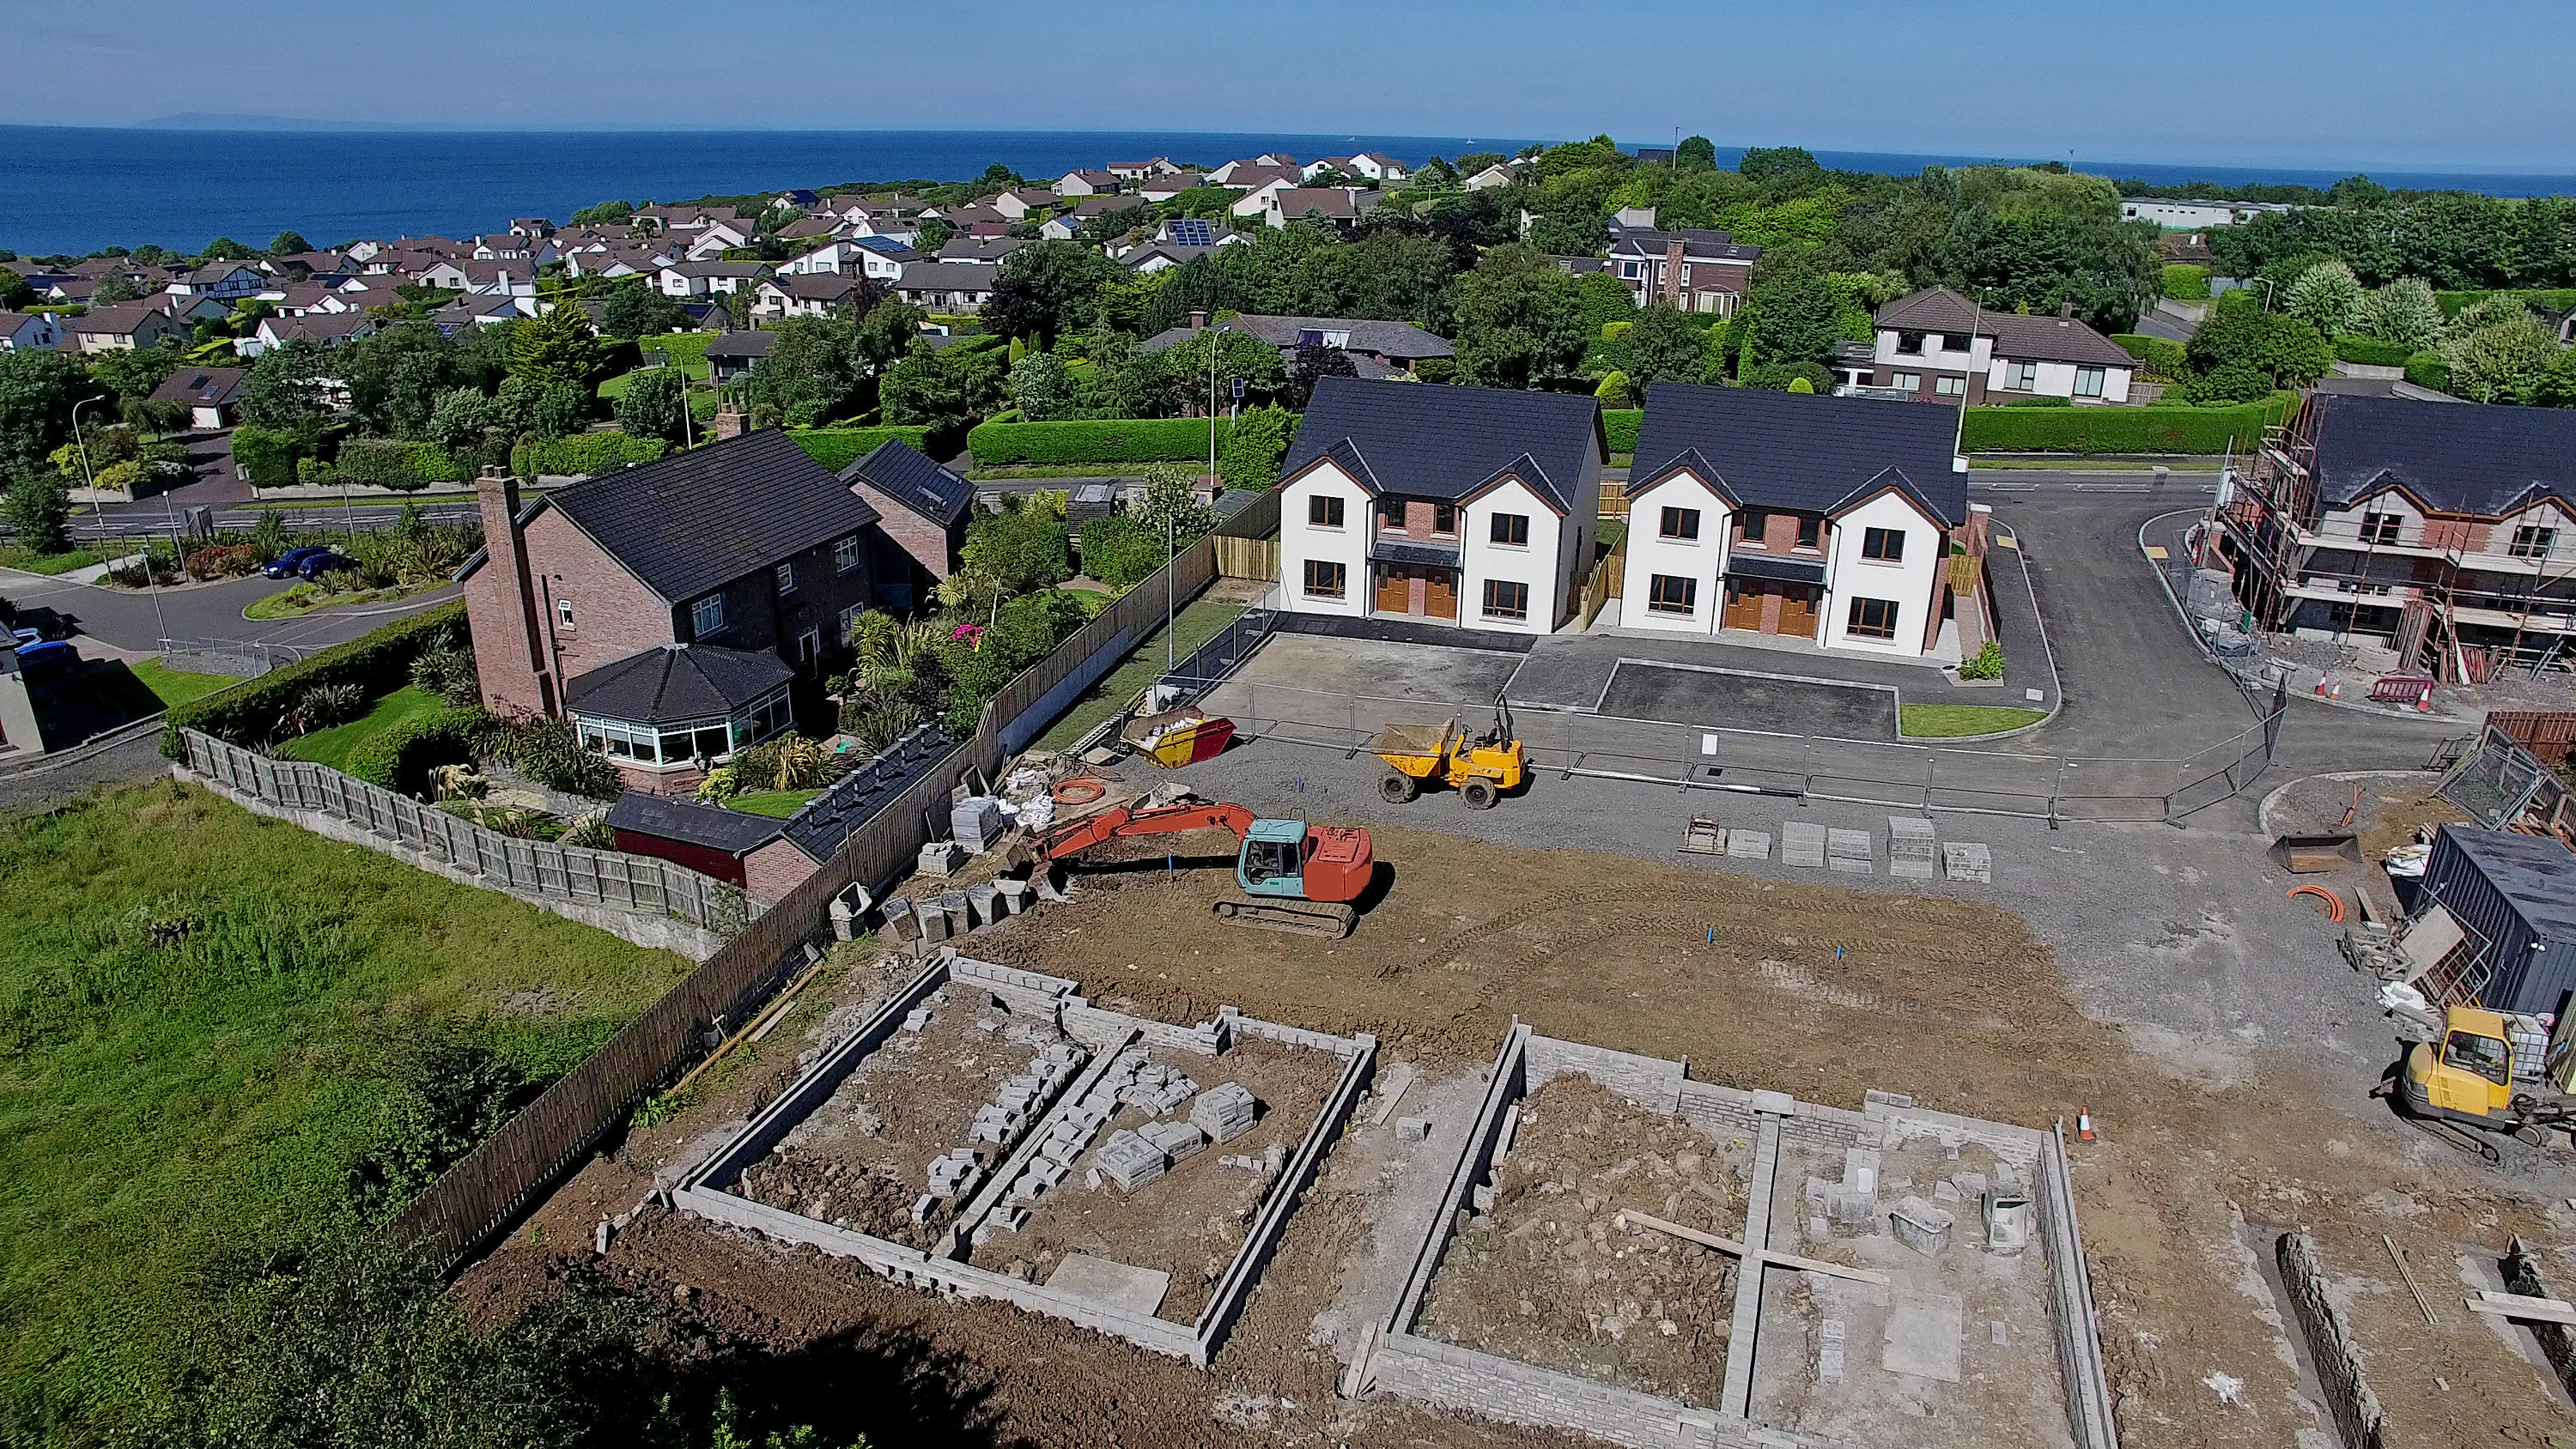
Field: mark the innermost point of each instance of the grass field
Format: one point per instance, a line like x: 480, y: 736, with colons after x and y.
x: 222, y: 1037
x: 776, y: 804
x: 27, y: 560
x: 176, y: 686
x: 688, y: 352
x: 1197, y: 624
x: 1950, y: 721
x: 333, y: 746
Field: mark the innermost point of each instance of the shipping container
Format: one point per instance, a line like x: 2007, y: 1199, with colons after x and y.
x: 2516, y: 893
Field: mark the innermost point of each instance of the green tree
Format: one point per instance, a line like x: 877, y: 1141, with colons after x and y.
x: 2502, y: 359
x: 1796, y: 318
x: 812, y: 372
x: 1171, y: 507
x: 886, y: 332
x: 460, y: 418
x: 2558, y: 381
x: 225, y: 249
x: 284, y: 388
x: 606, y: 213
x: 2404, y: 312
x: 39, y: 511
x: 1020, y: 548
x: 14, y: 291
x: 2242, y: 353
x: 395, y: 376
x: 1613, y: 391
x: 934, y: 234
x: 1519, y: 319
x: 654, y: 405
x: 1771, y: 163
x: 288, y: 243
x: 135, y: 372
x: 1664, y: 346
x: 1695, y: 153
x: 941, y: 389
x: 1185, y: 368
x: 267, y: 456
x: 2358, y: 192
x: 554, y: 347
x: 1049, y: 289
x: 1571, y: 230
x: 637, y: 308
x: 114, y: 288
x: 1254, y: 447
x: 1041, y: 387
x: 2325, y: 296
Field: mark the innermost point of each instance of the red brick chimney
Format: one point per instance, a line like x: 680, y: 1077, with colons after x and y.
x: 728, y: 422
x: 501, y: 604
x: 1198, y: 319
x: 1673, y: 271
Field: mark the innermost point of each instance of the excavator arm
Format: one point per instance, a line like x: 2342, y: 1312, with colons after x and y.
x: 1068, y: 841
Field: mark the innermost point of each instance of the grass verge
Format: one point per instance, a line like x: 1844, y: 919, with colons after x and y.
x: 302, y: 599
x: 333, y: 746
x: 1951, y: 721
x: 177, y: 686
x: 1197, y: 624
x: 27, y: 560
x: 227, y: 1037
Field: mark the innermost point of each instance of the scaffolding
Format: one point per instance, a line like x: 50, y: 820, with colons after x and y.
x: 2271, y: 533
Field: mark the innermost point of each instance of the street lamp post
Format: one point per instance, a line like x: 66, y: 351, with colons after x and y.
x: 89, y: 480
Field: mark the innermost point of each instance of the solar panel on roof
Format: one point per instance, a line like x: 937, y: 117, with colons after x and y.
x: 1193, y: 232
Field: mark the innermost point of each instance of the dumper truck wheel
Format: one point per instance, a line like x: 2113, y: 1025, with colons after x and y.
x: 1479, y: 794
x: 1397, y: 788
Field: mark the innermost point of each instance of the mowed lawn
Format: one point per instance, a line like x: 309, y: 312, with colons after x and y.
x: 333, y: 746
x: 1196, y: 624
x: 204, y: 1016
x: 1954, y: 721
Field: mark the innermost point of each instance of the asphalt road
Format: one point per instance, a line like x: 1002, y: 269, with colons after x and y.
x: 135, y: 621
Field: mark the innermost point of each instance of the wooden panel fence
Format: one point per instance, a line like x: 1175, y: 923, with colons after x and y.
x: 478, y: 1196
x: 567, y: 872
x: 1248, y: 558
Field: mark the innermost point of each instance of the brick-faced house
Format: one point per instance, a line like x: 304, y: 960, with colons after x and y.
x: 1935, y: 344
x: 922, y: 513
x: 1376, y: 349
x: 1453, y: 505
x: 1695, y: 271
x: 1822, y: 518
x: 674, y: 612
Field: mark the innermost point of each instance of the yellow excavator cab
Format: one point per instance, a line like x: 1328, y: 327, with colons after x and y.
x: 2468, y: 1073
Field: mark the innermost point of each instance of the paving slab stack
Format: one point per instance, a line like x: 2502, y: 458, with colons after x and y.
x: 1223, y: 1113
x: 976, y: 822
x: 1748, y: 845
x: 1802, y: 843
x: 1851, y: 851
x: 1912, y: 852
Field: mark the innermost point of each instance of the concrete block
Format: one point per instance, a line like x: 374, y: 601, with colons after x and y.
x: 1922, y: 1225
x: 1850, y: 866
x: 848, y: 909
x: 1802, y: 843
x: 977, y: 822
x: 1175, y: 1140
x: 953, y: 905
x: 1904, y: 869
x: 900, y: 921
x: 1968, y: 862
x: 1117, y: 1285
x: 1850, y: 845
x: 1778, y: 1104
x: 1748, y: 845
x: 980, y: 902
x: 922, y: 1206
x: 934, y: 923
x: 940, y: 858
x: 1412, y: 1129
x: 1860, y: 1169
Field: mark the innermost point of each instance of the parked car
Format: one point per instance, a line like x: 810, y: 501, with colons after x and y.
x: 290, y: 563
x: 47, y: 659
x: 323, y: 561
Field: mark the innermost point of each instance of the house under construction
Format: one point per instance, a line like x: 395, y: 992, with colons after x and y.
x: 2446, y: 531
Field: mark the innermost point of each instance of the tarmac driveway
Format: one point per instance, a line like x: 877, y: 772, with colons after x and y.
x: 1730, y: 699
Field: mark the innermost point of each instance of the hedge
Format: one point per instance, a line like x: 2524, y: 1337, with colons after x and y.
x: 378, y: 663
x: 838, y: 448
x: 2186, y: 283
x: 2557, y: 299
x: 2159, y: 356
x: 401, y: 758
x: 2369, y: 351
x: 1621, y: 424
x: 1106, y: 440
x: 2042, y: 400
x: 2121, y: 430
x: 581, y: 454
x: 2427, y: 369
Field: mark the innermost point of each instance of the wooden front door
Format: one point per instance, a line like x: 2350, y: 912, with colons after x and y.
x: 1743, y: 606
x: 1440, y: 593
x: 1394, y: 589
x: 1797, y: 611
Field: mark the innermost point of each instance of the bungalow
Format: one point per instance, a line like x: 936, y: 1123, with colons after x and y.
x: 1017, y: 205
x: 716, y: 238
x: 1258, y: 184
x: 700, y: 279
x: 531, y: 226
x: 860, y: 258
x: 224, y: 280
x: 1154, y: 257
x: 1827, y: 519
x: 961, y: 219
x: 809, y: 228
x: 323, y: 329
x: 299, y: 265
x: 1400, y: 501
x: 979, y: 251
x: 1696, y: 271
x: 735, y: 353
x: 922, y: 513
x: 1227, y: 174
x: 1065, y: 226
x: 947, y: 286
x: 902, y: 231
x: 1374, y: 165
x: 210, y: 394
x: 814, y: 294
x: 1341, y: 205
x: 124, y: 327
x: 1086, y: 183
x: 1376, y: 349
x: 1936, y: 345
x: 1164, y: 188
x: 483, y: 310
x: 674, y: 612
x: 30, y: 332
x: 1139, y: 170
x: 665, y: 220
x: 798, y: 197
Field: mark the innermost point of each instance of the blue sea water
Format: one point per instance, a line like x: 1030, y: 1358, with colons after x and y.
x: 73, y: 189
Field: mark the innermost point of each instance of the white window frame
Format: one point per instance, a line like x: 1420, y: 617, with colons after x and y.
x: 1910, y: 381
x: 2021, y: 376
x: 1949, y: 386
x: 563, y: 612
x: 707, y: 616
x: 848, y: 553
x: 2089, y: 380
x: 783, y: 578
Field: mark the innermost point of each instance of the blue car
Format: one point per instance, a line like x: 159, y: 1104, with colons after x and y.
x: 287, y: 564
x: 322, y: 561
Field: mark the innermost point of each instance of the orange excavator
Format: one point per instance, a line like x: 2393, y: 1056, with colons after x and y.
x: 1290, y: 876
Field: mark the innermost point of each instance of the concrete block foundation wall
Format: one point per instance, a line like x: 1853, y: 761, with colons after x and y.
x: 703, y: 1190
x: 2356, y: 1409
x: 2071, y: 1315
x: 2557, y: 1341
x: 1519, y: 1393
x: 1650, y: 1082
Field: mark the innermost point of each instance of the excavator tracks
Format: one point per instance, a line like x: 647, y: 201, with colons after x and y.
x: 1329, y: 920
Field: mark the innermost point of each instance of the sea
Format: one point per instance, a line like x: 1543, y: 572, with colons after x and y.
x: 76, y: 189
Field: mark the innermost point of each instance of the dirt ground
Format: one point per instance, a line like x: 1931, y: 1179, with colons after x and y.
x: 1551, y: 1277
x: 1190, y: 1221
x: 1950, y: 1000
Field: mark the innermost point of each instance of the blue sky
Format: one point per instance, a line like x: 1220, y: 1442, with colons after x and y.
x: 2375, y: 82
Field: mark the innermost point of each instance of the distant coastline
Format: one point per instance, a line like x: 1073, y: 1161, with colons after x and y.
x: 182, y: 180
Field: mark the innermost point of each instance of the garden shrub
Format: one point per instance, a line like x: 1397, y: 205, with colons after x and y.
x: 1621, y: 425
x: 2159, y: 358
x: 2043, y: 400
x: 549, y: 752
x: 2186, y: 283
x: 838, y: 448
x: 2429, y: 369
x: 1988, y: 662
x: 2369, y: 351
x: 379, y: 463
x: 2155, y: 429
x: 582, y: 454
x: 268, y: 456
x: 1118, y: 552
x: 400, y: 757
x: 1105, y: 440
x: 1254, y: 446
x: 224, y: 561
x: 378, y: 663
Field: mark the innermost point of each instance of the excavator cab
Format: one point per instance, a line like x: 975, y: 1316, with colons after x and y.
x: 2468, y: 1074
x: 1273, y: 859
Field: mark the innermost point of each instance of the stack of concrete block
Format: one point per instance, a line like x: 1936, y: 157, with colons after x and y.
x: 1174, y: 1140
x: 1829, y: 1350
x: 976, y: 821
x: 1748, y: 845
x: 1911, y: 849
x: 1224, y: 1113
x: 1851, y: 850
x: 1130, y: 1161
x: 940, y: 858
x: 1968, y: 862
x: 1157, y: 1089
x: 954, y: 1173
x: 1042, y: 1174
x: 1802, y: 844
x: 1849, y: 1207
x: 1269, y: 1164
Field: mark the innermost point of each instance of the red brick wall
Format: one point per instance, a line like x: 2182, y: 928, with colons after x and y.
x: 509, y: 654
x: 925, y: 541
x: 613, y: 614
x: 775, y: 869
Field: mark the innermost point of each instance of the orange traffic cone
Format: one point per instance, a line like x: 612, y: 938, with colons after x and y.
x: 2338, y: 690
x: 2321, y: 686
x: 2424, y: 701
x: 2084, y: 1125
